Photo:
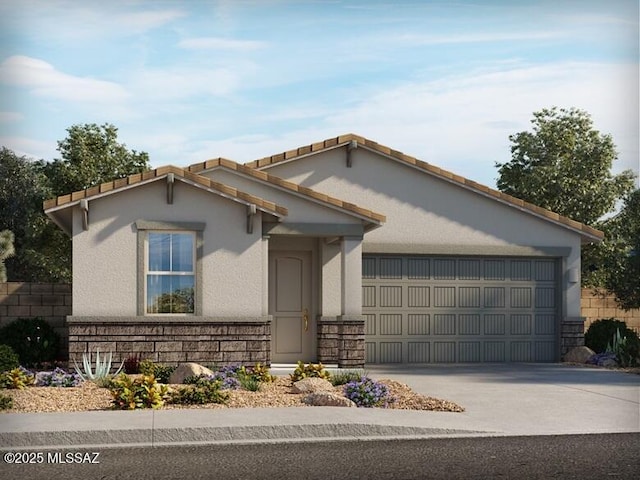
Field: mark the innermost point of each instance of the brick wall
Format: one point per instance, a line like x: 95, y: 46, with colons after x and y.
x: 341, y: 341
x: 597, y: 305
x: 172, y: 341
x: 51, y: 301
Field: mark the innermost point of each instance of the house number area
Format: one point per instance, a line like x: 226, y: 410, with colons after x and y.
x: 51, y: 457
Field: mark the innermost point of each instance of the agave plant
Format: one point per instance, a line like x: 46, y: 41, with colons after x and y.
x: 102, y: 369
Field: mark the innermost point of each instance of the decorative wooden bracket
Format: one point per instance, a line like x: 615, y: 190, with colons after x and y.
x: 170, y: 181
x: 84, y: 207
x: 251, y: 212
x: 350, y: 147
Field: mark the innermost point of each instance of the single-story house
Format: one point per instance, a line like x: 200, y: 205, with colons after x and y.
x: 344, y: 251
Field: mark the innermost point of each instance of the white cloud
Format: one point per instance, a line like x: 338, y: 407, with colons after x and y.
x: 218, y: 43
x: 44, y: 80
x: 30, y: 147
x: 427, y: 39
x: 183, y: 82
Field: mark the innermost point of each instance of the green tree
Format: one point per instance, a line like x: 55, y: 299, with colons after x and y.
x: 23, y: 187
x: 621, y: 262
x: 6, y: 251
x: 564, y: 165
x: 92, y: 155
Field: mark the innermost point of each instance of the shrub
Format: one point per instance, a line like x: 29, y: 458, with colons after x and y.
x: 366, y: 392
x: 101, y: 374
x: 249, y: 383
x: 600, y: 333
x: 626, y: 349
x: 33, y: 339
x: 8, y: 358
x: 57, y: 378
x: 343, y: 377
x: 201, y: 390
x: 143, y: 392
x: 260, y: 373
x: 132, y: 364
x: 228, y: 376
x: 311, y: 370
x: 18, y: 378
x: 159, y: 371
x: 6, y: 402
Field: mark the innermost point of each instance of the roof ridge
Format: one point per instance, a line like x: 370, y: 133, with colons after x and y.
x: 446, y: 175
x: 157, y: 173
x: 286, y: 184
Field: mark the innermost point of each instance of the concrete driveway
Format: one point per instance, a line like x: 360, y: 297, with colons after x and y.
x: 529, y: 399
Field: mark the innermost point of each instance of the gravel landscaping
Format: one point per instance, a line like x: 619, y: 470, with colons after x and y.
x: 88, y: 396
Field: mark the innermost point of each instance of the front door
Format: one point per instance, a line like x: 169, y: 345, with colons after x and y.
x: 290, y: 306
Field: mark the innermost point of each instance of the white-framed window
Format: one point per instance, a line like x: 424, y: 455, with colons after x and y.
x: 170, y: 272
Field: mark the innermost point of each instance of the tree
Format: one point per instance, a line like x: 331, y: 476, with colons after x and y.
x: 6, y: 251
x: 23, y: 187
x: 564, y: 165
x: 92, y: 155
x: 622, y: 264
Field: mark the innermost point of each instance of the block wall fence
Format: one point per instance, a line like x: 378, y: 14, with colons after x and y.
x: 52, y: 302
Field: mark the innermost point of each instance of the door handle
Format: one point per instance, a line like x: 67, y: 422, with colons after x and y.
x: 305, y: 319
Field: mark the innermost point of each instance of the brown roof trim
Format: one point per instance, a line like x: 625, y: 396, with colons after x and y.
x: 509, y: 200
x: 287, y: 185
x: 151, y: 175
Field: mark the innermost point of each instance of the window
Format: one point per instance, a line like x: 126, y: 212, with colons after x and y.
x: 170, y: 272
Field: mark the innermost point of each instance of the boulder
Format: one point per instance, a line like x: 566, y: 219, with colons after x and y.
x: 327, y: 399
x: 608, y: 363
x: 185, y: 370
x: 312, y: 385
x: 579, y: 355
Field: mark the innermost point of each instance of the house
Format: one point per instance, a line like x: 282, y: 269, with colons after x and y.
x: 343, y: 251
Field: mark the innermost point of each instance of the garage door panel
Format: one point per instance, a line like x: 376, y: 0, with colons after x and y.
x: 421, y: 309
x: 418, y: 324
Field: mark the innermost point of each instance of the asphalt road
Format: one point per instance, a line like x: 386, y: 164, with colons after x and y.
x: 582, y: 457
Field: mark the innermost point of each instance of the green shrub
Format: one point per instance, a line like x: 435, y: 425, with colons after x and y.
x: 6, y: 402
x: 600, y: 333
x: 143, y: 392
x: 626, y: 349
x: 33, y: 339
x: 342, y: 377
x: 200, y: 391
x: 249, y: 383
x: 310, y: 370
x: 18, y: 378
x: 260, y: 373
x: 8, y: 358
x: 159, y: 371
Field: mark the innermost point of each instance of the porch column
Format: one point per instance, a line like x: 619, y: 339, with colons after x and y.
x: 351, y: 257
x: 265, y: 275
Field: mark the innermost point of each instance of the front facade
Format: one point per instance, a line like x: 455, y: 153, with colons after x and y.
x: 343, y: 252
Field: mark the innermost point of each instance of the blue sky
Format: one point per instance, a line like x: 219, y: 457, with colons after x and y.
x: 446, y: 82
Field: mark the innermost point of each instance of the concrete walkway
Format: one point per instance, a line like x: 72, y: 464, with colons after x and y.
x: 520, y: 399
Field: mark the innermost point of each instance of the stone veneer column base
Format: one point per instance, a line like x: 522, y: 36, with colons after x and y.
x: 571, y: 334
x: 206, y: 340
x: 341, y: 340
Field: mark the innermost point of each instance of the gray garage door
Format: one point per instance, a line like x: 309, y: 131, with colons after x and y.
x: 428, y: 309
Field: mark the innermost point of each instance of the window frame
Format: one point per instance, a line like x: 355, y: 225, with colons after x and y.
x: 145, y: 227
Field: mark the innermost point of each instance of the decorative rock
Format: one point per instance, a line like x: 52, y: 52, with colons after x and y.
x: 579, y: 355
x: 312, y: 385
x: 185, y: 370
x: 327, y: 399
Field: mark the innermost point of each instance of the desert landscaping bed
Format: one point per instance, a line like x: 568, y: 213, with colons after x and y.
x: 88, y: 397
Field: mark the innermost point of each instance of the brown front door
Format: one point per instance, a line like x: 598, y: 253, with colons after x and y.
x: 290, y: 306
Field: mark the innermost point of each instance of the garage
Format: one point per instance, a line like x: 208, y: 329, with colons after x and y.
x: 453, y: 309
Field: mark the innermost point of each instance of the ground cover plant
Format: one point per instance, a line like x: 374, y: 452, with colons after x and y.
x: 366, y: 392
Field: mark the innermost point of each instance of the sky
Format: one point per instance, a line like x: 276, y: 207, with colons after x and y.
x: 444, y: 81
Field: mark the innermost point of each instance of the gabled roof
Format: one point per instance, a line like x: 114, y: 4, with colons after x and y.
x: 322, y: 198
x: 343, y: 140
x: 63, y: 202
